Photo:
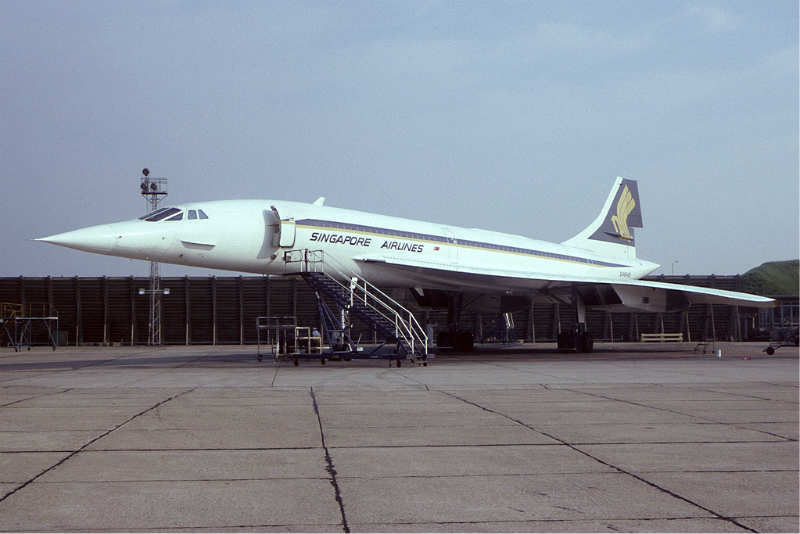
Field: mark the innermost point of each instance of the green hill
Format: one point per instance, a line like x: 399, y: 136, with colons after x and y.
x: 773, y: 278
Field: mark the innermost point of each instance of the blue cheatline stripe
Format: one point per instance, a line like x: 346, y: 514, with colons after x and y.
x: 389, y: 232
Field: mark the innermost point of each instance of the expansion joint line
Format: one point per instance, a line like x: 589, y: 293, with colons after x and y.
x: 677, y: 412
x: 90, y: 442
x: 607, y: 464
x: 329, y: 465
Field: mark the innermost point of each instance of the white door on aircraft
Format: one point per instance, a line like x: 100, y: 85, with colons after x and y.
x: 288, y: 231
x: 272, y: 226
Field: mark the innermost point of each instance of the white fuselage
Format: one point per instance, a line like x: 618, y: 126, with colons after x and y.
x: 240, y: 235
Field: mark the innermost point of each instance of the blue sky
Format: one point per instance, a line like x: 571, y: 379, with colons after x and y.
x: 511, y: 116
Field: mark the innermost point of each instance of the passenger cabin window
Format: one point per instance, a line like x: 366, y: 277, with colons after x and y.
x: 202, y: 214
x: 177, y: 217
x: 159, y: 215
x: 192, y: 214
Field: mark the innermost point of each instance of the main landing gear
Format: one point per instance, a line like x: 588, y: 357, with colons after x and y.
x: 579, y: 339
x: 461, y: 341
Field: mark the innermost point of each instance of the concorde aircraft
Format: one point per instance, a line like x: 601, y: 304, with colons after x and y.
x: 597, y: 268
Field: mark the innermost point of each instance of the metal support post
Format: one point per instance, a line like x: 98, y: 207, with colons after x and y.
x: 213, y: 310
x: 105, y: 312
x: 556, y: 320
x: 51, y: 309
x: 22, y: 299
x: 78, y: 313
x: 154, y: 190
x: 267, y: 295
x: 188, y: 311
x: 132, y: 309
x: 154, y: 323
x: 239, y: 285
x: 531, y: 322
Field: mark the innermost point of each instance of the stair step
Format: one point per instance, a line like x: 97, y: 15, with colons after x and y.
x: 340, y: 294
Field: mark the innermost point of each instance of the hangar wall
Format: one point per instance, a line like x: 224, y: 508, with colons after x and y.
x: 223, y: 310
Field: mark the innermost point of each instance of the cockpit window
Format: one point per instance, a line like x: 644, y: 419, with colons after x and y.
x: 173, y: 214
x: 159, y: 210
x: 162, y: 214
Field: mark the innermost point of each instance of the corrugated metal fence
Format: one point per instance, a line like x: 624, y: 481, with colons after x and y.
x: 223, y: 310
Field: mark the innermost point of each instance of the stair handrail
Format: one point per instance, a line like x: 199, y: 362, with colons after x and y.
x: 414, y: 329
x: 402, y: 328
x: 403, y: 325
x: 346, y: 288
x: 410, y: 329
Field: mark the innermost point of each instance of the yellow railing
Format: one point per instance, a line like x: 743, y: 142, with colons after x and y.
x: 10, y: 310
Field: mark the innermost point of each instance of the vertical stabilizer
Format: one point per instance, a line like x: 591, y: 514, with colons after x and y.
x: 612, y: 232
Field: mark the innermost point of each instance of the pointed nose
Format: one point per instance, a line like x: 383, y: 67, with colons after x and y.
x: 98, y: 239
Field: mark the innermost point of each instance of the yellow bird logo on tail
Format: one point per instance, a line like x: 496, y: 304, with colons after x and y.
x: 625, y: 206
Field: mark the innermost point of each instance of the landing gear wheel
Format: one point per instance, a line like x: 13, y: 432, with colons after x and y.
x: 566, y: 340
x: 770, y: 350
x: 584, y: 343
x: 296, y: 363
x: 444, y: 339
x: 464, y: 342
x: 322, y: 361
x: 399, y: 363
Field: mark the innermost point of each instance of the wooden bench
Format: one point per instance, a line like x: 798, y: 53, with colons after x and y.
x: 676, y: 337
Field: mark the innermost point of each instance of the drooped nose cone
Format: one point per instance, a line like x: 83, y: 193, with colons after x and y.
x: 98, y: 239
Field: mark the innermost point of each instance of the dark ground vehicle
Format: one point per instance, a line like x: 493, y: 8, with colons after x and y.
x: 783, y: 336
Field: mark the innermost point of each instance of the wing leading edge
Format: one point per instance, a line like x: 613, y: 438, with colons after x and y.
x: 638, y: 294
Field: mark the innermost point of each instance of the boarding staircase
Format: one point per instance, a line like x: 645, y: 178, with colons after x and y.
x: 356, y: 297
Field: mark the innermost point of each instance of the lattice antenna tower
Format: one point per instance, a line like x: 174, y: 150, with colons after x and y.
x: 154, y: 190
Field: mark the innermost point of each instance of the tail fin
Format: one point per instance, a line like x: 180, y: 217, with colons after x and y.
x: 611, y: 233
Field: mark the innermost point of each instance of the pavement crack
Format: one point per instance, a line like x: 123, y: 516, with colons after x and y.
x: 740, y: 395
x: 607, y: 464
x: 36, y: 397
x: 329, y: 464
x: 567, y: 508
x: 90, y: 442
x: 274, y: 376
